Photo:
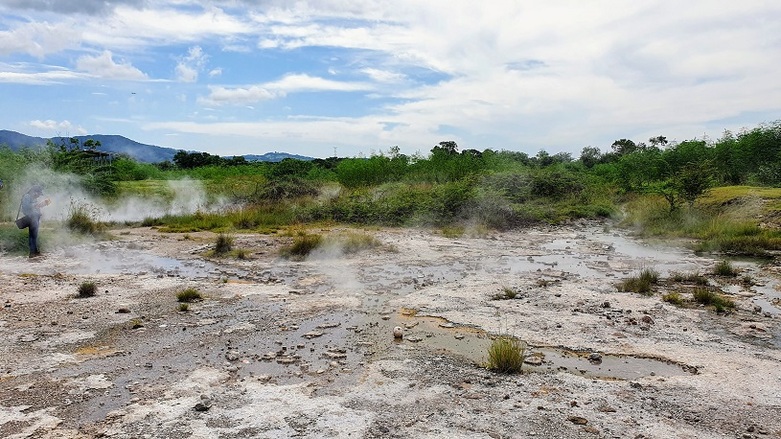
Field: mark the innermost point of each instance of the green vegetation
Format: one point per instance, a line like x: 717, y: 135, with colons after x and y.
x: 725, y: 268
x: 641, y: 283
x: 303, y: 244
x: 723, y: 194
x: 184, y: 307
x: 189, y: 295
x: 506, y: 294
x: 81, y: 219
x: 505, y: 355
x: 88, y: 289
x: 689, y: 278
x: 708, y: 297
x: 674, y: 298
x: 224, y: 244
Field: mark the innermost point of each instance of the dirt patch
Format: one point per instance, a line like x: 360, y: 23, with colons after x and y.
x: 282, y: 348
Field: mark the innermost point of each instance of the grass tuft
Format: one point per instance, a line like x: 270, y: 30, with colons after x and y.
x: 708, y: 297
x: 641, y: 283
x: 674, y: 298
x: 223, y: 244
x: 303, y: 245
x: 189, y: 295
x: 505, y: 355
x: 87, y: 289
x: 725, y: 268
x: 507, y: 293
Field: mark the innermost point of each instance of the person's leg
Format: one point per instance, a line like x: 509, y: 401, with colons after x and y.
x: 33, y: 238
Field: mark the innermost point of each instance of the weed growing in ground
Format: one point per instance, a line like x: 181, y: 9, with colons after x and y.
x: 82, y: 219
x: 355, y: 242
x: 505, y: 355
x: 506, y: 294
x: 87, y: 289
x: 641, y: 283
x: 189, y: 295
x: 708, y: 297
x: 725, y: 268
x: 690, y: 278
x: 223, y: 244
x: 184, y: 307
x: 674, y: 298
x: 302, y: 245
x: 242, y: 254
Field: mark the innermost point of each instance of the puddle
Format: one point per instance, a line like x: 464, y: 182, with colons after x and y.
x: 472, y: 343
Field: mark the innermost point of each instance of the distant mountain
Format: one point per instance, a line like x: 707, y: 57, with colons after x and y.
x: 122, y: 145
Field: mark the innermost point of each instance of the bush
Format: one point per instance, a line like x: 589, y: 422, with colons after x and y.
x: 505, y: 355
x: 189, y: 295
x: 82, y: 219
x: 87, y: 289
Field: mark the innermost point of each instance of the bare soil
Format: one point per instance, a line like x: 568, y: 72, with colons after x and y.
x: 283, y: 348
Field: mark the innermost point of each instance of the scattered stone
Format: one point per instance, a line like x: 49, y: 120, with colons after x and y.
x: 313, y: 334
x: 647, y: 319
x: 447, y: 325
x: 123, y: 311
x: 414, y: 338
x: 595, y: 358
x: 577, y: 420
x: 533, y: 360
x: 459, y: 336
x: 398, y: 333
x: 202, y: 406
x: 606, y: 409
x: 232, y: 356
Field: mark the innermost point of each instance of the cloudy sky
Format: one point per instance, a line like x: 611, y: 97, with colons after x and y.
x: 359, y: 76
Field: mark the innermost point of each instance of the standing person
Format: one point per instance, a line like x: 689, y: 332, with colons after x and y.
x: 31, y: 207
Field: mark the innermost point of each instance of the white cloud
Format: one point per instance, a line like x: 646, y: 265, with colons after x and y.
x: 276, y: 89
x: 59, y: 128
x: 40, y: 39
x: 104, y: 66
x: 40, y: 78
x: 190, y: 65
x: 215, y: 72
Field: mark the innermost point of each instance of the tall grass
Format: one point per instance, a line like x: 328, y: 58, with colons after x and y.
x: 505, y: 355
x: 642, y: 283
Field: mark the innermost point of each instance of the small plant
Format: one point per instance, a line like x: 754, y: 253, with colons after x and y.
x: 674, y: 298
x: 82, y: 219
x: 136, y: 323
x: 693, y: 278
x: 505, y: 355
x: 87, y: 289
x: 707, y: 297
x: 641, y: 283
x: 725, y: 268
x: 184, y: 307
x: 189, y: 295
x: 224, y: 244
x: 242, y: 254
x: 506, y: 294
x: 452, y: 232
x: 355, y: 242
x: 303, y: 245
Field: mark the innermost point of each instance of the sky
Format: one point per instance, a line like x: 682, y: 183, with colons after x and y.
x: 354, y: 78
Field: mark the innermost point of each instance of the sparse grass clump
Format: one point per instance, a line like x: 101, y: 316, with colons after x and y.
x: 708, y: 297
x: 82, y: 219
x: 674, y: 298
x: 507, y: 293
x: 189, y: 295
x: 87, y: 289
x: 505, y: 355
x: 690, y: 278
x: 223, y: 244
x: 302, y: 245
x: 184, y: 307
x: 243, y: 254
x: 725, y: 268
x: 356, y: 242
x: 641, y: 283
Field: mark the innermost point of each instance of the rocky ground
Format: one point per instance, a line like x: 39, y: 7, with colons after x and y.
x: 282, y: 348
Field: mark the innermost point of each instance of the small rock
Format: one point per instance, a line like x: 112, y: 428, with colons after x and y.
x: 232, y: 356
x: 313, y: 334
x: 202, y: 406
x: 577, y: 420
x: 123, y: 311
x: 533, y: 360
x: 398, y: 333
x: 647, y: 319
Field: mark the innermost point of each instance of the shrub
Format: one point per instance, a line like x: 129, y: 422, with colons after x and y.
x: 184, y: 307
x: 87, y: 289
x: 189, y: 295
x: 505, y: 355
x: 506, y: 294
x: 694, y: 278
